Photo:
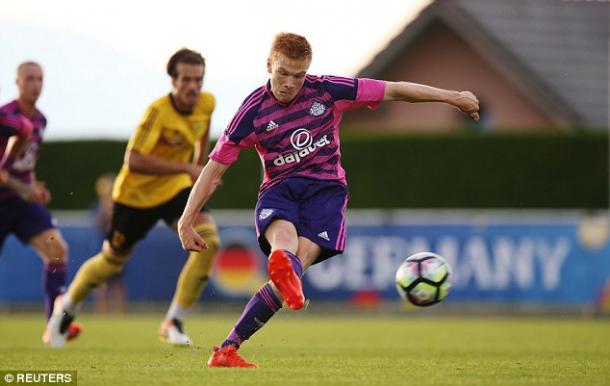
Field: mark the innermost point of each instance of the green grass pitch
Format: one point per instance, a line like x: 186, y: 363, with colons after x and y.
x: 302, y: 349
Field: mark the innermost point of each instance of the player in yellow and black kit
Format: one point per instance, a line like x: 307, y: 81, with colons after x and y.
x: 163, y: 159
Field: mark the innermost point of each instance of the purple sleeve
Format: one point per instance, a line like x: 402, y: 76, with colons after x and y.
x: 370, y: 94
x: 341, y: 88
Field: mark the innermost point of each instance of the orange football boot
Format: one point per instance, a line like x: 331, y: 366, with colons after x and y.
x: 228, y: 357
x: 285, y: 279
x: 74, y: 330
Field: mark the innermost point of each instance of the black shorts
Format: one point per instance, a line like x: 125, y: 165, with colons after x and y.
x: 130, y: 225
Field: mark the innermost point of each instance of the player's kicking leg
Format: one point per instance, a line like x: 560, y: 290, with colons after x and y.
x: 280, y: 237
x: 284, y: 267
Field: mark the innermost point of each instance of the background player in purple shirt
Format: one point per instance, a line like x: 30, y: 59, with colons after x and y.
x: 14, y: 128
x: 293, y: 122
x: 22, y: 197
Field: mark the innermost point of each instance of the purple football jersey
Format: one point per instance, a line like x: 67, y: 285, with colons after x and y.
x: 21, y: 165
x: 299, y: 139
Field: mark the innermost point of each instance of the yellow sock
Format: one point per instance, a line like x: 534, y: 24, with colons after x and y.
x: 92, y: 273
x: 194, y: 275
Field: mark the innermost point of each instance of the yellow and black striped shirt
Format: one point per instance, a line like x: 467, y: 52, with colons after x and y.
x: 164, y: 133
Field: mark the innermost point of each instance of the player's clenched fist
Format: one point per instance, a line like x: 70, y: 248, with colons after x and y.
x: 468, y: 103
x: 190, y: 240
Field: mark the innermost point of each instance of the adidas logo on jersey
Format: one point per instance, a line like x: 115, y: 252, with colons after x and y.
x: 296, y: 156
x: 324, y: 235
x: 272, y: 126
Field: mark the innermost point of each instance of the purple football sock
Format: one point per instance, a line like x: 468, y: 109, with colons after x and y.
x: 261, y: 307
x: 54, y: 283
x: 296, y: 263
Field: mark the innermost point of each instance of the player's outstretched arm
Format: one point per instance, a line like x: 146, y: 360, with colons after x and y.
x: 465, y: 101
x: 202, y: 191
x: 149, y: 164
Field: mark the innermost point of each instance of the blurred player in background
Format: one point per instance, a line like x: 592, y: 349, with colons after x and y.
x: 163, y: 158
x: 22, y: 196
x: 293, y: 122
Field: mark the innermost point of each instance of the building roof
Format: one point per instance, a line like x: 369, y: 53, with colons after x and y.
x: 556, y: 51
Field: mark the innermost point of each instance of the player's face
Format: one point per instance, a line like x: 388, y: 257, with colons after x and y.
x: 187, y: 85
x: 287, y: 76
x: 29, y: 83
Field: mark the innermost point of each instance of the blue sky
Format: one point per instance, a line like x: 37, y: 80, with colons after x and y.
x: 104, y: 61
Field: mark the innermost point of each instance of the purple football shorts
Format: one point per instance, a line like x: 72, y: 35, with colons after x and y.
x: 23, y: 219
x: 315, y: 207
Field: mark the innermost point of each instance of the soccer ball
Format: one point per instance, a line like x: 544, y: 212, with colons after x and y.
x: 423, y: 279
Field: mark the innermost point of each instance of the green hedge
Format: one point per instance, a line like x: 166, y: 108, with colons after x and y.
x: 558, y: 171
x: 70, y: 169
x: 448, y: 171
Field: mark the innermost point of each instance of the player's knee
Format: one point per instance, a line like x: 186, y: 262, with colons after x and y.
x: 114, y: 264
x: 56, y: 251
x: 115, y: 260
x: 108, y: 249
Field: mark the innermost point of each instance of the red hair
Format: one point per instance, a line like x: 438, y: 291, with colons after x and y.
x: 291, y: 45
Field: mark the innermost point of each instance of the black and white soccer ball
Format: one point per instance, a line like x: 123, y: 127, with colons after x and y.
x: 423, y: 279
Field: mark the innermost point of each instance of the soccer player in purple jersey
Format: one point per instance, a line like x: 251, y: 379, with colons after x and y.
x: 16, y: 129
x: 22, y: 196
x: 293, y: 122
